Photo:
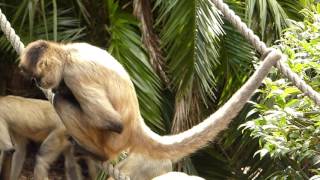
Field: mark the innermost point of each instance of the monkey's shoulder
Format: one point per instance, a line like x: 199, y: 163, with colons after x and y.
x: 86, y: 53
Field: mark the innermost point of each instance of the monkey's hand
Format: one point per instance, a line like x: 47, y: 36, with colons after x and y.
x: 95, y: 104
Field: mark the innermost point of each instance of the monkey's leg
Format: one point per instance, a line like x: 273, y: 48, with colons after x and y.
x: 69, y: 112
x: 49, y: 151
x: 95, y: 104
x: 92, y: 168
x: 5, y: 139
x: 18, y: 156
x: 72, y: 169
x: 6, y: 164
x: 6, y: 146
x: 1, y: 160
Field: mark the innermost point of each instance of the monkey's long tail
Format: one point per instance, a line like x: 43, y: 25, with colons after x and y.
x: 177, y: 146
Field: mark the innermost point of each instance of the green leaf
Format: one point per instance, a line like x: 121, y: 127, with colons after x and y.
x: 191, y: 42
x: 127, y: 48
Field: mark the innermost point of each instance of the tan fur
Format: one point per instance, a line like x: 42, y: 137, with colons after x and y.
x: 140, y: 167
x: 107, y: 97
x: 23, y: 119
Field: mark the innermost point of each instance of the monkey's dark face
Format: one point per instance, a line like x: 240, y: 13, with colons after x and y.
x: 40, y: 63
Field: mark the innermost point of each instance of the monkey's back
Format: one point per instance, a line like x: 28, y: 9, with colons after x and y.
x: 97, y: 66
x: 31, y: 118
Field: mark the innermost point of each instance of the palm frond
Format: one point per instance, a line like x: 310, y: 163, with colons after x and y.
x: 237, y: 58
x: 189, y: 35
x: 264, y: 15
x: 84, y: 12
x: 293, y: 8
x: 126, y: 46
x: 43, y: 22
x: 142, y: 10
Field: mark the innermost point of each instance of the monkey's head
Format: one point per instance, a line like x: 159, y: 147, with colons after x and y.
x: 43, y: 61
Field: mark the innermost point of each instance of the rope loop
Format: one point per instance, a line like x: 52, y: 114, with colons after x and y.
x: 114, y: 172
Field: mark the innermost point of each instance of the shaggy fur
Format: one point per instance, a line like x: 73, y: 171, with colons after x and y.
x: 24, y: 119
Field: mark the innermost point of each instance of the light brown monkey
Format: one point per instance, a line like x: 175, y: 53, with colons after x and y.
x: 97, y: 102
x: 24, y: 119
x: 140, y: 167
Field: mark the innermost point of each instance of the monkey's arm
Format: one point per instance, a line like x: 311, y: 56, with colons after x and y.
x: 19, y: 155
x: 95, y: 104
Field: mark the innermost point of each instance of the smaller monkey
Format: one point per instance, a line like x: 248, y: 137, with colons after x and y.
x: 24, y: 119
x: 140, y: 167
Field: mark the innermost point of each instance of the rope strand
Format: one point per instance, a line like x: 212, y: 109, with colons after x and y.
x: 10, y: 34
x: 113, y: 171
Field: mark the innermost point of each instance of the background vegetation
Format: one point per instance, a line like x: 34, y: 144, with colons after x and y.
x: 185, y: 61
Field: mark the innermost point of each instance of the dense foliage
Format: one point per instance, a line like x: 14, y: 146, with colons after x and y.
x: 288, y: 123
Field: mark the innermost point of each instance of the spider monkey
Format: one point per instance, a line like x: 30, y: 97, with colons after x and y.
x: 101, y: 110
x: 25, y: 119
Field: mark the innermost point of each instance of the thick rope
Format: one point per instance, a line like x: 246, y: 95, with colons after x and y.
x: 261, y: 47
x: 17, y: 44
x: 113, y: 171
x: 10, y: 34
